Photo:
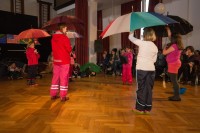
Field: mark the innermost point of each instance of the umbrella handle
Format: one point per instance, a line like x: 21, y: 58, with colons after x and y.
x: 168, y: 31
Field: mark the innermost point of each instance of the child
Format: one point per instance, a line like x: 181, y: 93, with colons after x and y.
x: 145, y: 70
x: 14, y: 71
x: 32, y: 56
x: 173, y: 52
x: 61, y: 49
x: 76, y: 71
x: 72, y: 60
x: 50, y: 63
x: 127, y: 67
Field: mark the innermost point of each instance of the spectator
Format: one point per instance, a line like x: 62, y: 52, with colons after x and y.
x: 188, y: 66
x: 127, y: 67
x: 76, y: 71
x: 14, y: 72
x: 72, y: 61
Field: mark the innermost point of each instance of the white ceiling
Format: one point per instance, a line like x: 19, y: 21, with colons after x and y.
x: 104, y: 4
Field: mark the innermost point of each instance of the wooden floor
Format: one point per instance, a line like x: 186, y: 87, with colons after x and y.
x: 97, y: 105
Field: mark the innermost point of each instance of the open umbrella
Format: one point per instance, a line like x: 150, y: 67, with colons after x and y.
x: 135, y: 20
x: 93, y: 67
x: 47, y: 40
x: 32, y: 34
x: 183, y: 27
x: 72, y: 23
x: 72, y: 34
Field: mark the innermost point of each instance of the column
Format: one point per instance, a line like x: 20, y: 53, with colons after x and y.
x: 92, y: 29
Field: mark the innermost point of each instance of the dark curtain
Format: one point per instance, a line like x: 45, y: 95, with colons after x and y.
x: 105, y: 42
x: 81, y: 45
x: 152, y: 4
x: 133, y: 6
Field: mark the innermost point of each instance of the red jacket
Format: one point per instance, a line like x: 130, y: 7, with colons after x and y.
x: 61, y: 49
x: 32, y: 56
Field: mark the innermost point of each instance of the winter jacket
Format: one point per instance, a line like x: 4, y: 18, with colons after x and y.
x: 32, y: 57
x: 61, y: 48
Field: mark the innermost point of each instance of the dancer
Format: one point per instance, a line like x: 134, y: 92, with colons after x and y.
x: 61, y: 49
x: 173, y: 52
x: 145, y: 70
x: 32, y: 57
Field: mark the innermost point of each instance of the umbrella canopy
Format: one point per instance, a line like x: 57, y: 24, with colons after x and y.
x: 72, y: 23
x: 135, y: 20
x: 183, y: 27
x: 72, y: 34
x: 32, y: 33
x: 93, y: 67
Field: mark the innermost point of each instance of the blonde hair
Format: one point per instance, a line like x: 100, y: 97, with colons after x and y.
x: 149, y: 34
x: 30, y: 43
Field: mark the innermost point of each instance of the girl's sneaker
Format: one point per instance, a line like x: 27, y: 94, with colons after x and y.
x: 138, y: 111
x: 147, y: 112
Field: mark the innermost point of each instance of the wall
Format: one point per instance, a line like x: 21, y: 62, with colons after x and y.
x: 5, y: 5
x: 187, y: 9
x: 115, y: 40
x: 31, y: 7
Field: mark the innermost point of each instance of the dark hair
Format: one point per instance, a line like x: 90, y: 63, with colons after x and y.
x: 61, y: 26
x: 177, y: 39
x: 190, y: 48
x: 115, y: 50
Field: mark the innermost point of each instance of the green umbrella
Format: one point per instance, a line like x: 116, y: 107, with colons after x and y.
x: 93, y: 67
x: 135, y: 20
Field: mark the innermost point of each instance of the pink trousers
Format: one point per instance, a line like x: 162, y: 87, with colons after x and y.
x: 60, y: 80
x: 127, y: 73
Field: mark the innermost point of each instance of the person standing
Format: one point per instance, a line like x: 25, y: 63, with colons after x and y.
x: 173, y: 52
x: 127, y: 67
x: 61, y: 49
x: 32, y: 56
x: 72, y: 62
x: 145, y: 70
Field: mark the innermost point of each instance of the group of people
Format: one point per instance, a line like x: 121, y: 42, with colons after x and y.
x: 60, y: 62
x: 145, y: 66
x: 121, y: 64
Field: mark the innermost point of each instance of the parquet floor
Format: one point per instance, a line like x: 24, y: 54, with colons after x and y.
x: 97, y: 105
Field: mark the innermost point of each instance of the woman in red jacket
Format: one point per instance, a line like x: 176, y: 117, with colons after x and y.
x: 32, y: 57
x: 61, y: 49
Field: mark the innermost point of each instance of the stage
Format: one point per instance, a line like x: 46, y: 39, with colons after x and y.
x: 98, y: 104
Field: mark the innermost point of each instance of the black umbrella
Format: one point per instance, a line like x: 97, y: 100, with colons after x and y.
x: 183, y: 27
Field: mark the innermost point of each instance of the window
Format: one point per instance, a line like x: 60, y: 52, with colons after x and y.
x: 17, y: 6
x: 44, y: 12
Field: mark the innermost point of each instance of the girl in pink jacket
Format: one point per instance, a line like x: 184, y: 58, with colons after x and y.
x: 127, y: 67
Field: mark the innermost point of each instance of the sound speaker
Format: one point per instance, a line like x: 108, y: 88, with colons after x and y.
x: 98, y: 47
